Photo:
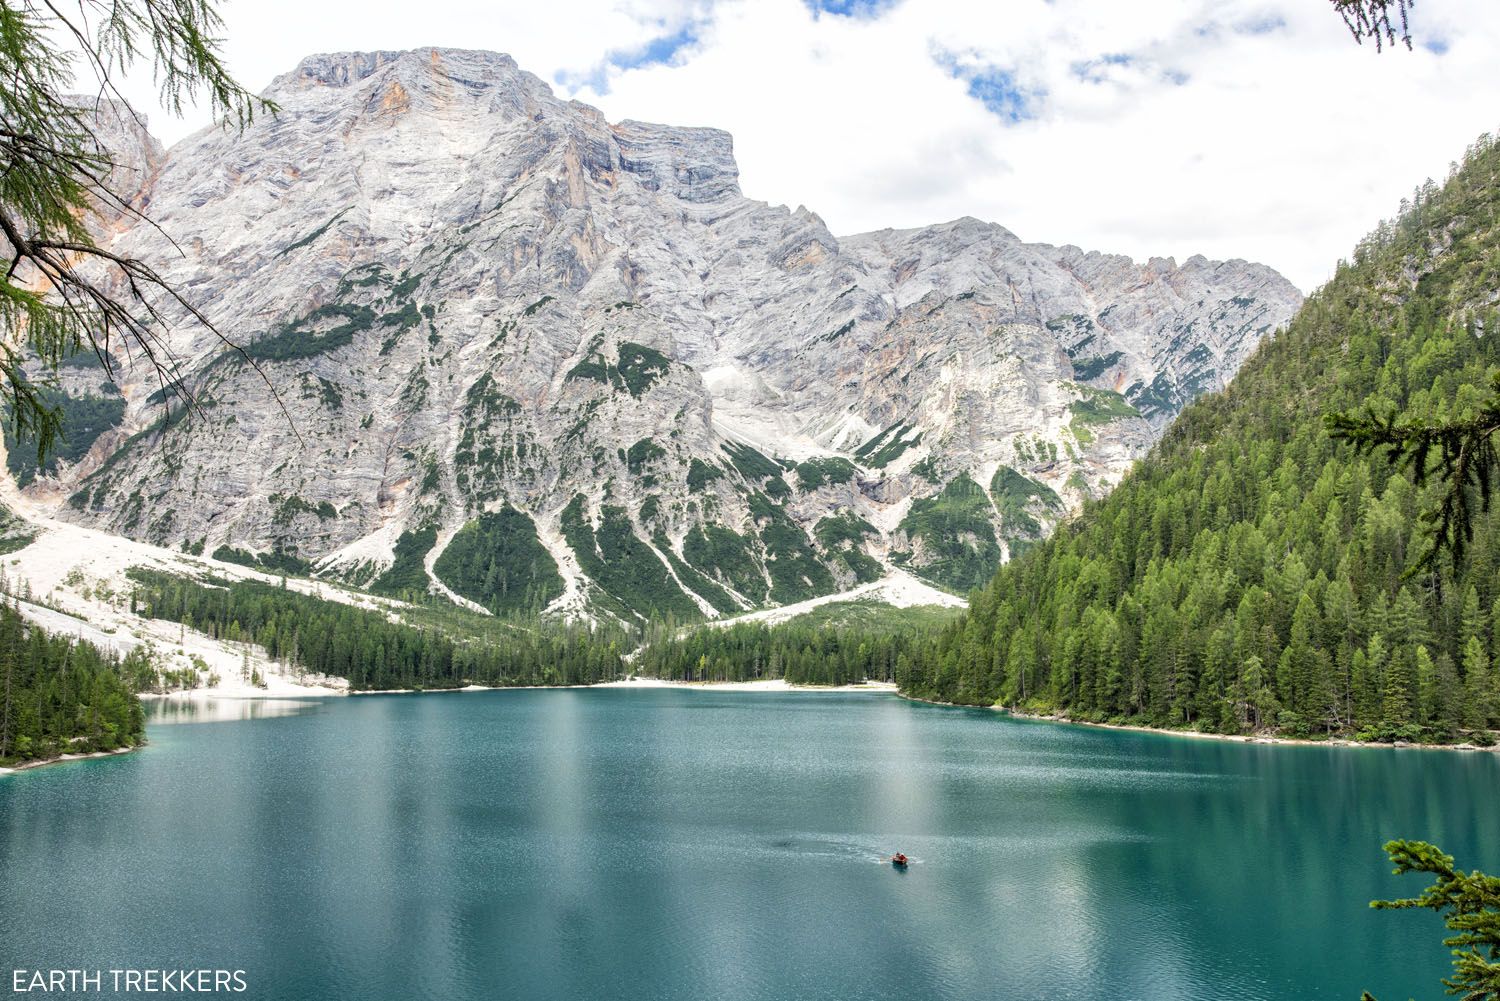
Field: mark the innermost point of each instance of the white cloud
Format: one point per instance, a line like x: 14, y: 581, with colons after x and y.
x: 1233, y: 128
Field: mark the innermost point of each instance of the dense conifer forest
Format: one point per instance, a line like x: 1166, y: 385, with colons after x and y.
x: 371, y: 649
x: 1252, y: 573
x: 844, y: 645
x: 61, y: 696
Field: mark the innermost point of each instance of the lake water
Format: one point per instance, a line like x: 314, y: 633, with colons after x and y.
x: 660, y: 844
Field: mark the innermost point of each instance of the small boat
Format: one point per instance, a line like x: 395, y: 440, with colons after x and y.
x: 899, y: 860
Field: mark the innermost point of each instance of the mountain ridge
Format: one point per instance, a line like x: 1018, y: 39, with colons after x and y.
x: 474, y: 297
x: 1251, y: 573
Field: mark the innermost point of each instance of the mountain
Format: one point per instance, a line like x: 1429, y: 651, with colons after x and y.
x: 1250, y: 573
x: 499, y: 347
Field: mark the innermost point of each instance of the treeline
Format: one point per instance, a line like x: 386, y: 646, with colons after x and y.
x: 1250, y: 573
x: 61, y: 696
x: 802, y: 654
x: 368, y: 647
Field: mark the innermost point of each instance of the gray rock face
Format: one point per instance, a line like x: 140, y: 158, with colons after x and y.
x: 460, y: 294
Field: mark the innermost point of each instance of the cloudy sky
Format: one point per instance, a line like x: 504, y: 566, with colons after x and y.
x: 1231, y: 128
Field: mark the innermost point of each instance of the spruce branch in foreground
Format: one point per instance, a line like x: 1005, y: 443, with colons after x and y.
x: 1460, y: 453
x: 1470, y: 905
x: 59, y: 291
x: 1373, y: 19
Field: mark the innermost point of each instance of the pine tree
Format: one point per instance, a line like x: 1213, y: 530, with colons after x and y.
x: 1479, y: 686
x: 1400, y: 679
x: 1470, y: 905
x: 56, y: 184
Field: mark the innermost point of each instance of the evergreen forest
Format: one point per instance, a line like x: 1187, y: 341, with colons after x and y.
x: 372, y: 648
x: 1254, y: 573
x: 62, y: 696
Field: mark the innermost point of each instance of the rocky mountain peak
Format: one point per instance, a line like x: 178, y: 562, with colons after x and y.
x: 535, y: 360
x: 693, y: 164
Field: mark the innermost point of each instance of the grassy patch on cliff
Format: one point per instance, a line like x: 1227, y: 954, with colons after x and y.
x: 796, y: 572
x: 842, y: 536
x: 888, y: 446
x: 955, y: 535
x: 498, y: 561
x: 815, y: 473
x: 84, y: 419
x: 730, y: 556
x: 1097, y: 408
x: 407, y: 574
x: 623, y: 566
x: 1015, y: 497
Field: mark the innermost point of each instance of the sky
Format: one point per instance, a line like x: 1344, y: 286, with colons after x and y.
x: 1256, y: 129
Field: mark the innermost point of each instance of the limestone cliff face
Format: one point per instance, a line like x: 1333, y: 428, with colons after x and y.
x: 475, y: 312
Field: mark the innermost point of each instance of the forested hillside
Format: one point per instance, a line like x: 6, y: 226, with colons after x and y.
x: 59, y: 696
x: 1249, y: 574
x: 371, y: 649
x: 841, y: 643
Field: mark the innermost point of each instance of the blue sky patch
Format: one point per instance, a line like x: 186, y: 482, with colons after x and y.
x: 658, y: 50
x: 998, y: 91
x: 1096, y: 70
x: 993, y: 86
x: 1437, y: 46
x: 1261, y: 25
x: 850, y: 8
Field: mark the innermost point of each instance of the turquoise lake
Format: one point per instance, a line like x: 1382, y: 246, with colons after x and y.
x: 667, y: 844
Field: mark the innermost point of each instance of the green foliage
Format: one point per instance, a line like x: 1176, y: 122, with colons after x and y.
x: 1160, y: 397
x: 956, y: 535
x: 534, y: 307
x: 498, y: 561
x: 288, y: 506
x: 1470, y: 905
x: 623, y: 566
x: 373, y: 652
x: 1465, y: 462
x: 752, y: 465
x: 272, y: 562
x: 641, y: 454
x: 802, y: 651
x: 82, y: 420
x: 407, y: 574
x: 701, y: 585
x: 814, y: 473
x: 842, y: 536
x: 56, y: 183
x: 637, y: 368
x: 61, y: 696
x: 299, y: 339
x: 875, y: 617
x: 314, y: 235
x: 1249, y: 573
x: 796, y: 573
x: 15, y: 532
x: 1384, y: 21
x: 727, y: 556
x: 495, y: 443
x: 1097, y: 407
x: 1016, y: 496
x: 887, y: 446
x: 701, y: 473
x: 834, y: 335
x: 928, y: 470
x: 641, y: 366
x: 1094, y: 366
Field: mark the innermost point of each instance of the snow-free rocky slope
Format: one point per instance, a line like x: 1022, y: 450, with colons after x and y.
x: 534, y: 359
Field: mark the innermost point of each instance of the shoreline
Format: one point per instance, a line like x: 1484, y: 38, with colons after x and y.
x: 763, y: 685
x: 1236, y: 738
x: 63, y: 759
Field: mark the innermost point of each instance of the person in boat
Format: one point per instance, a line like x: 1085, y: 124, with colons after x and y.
x: 899, y: 860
